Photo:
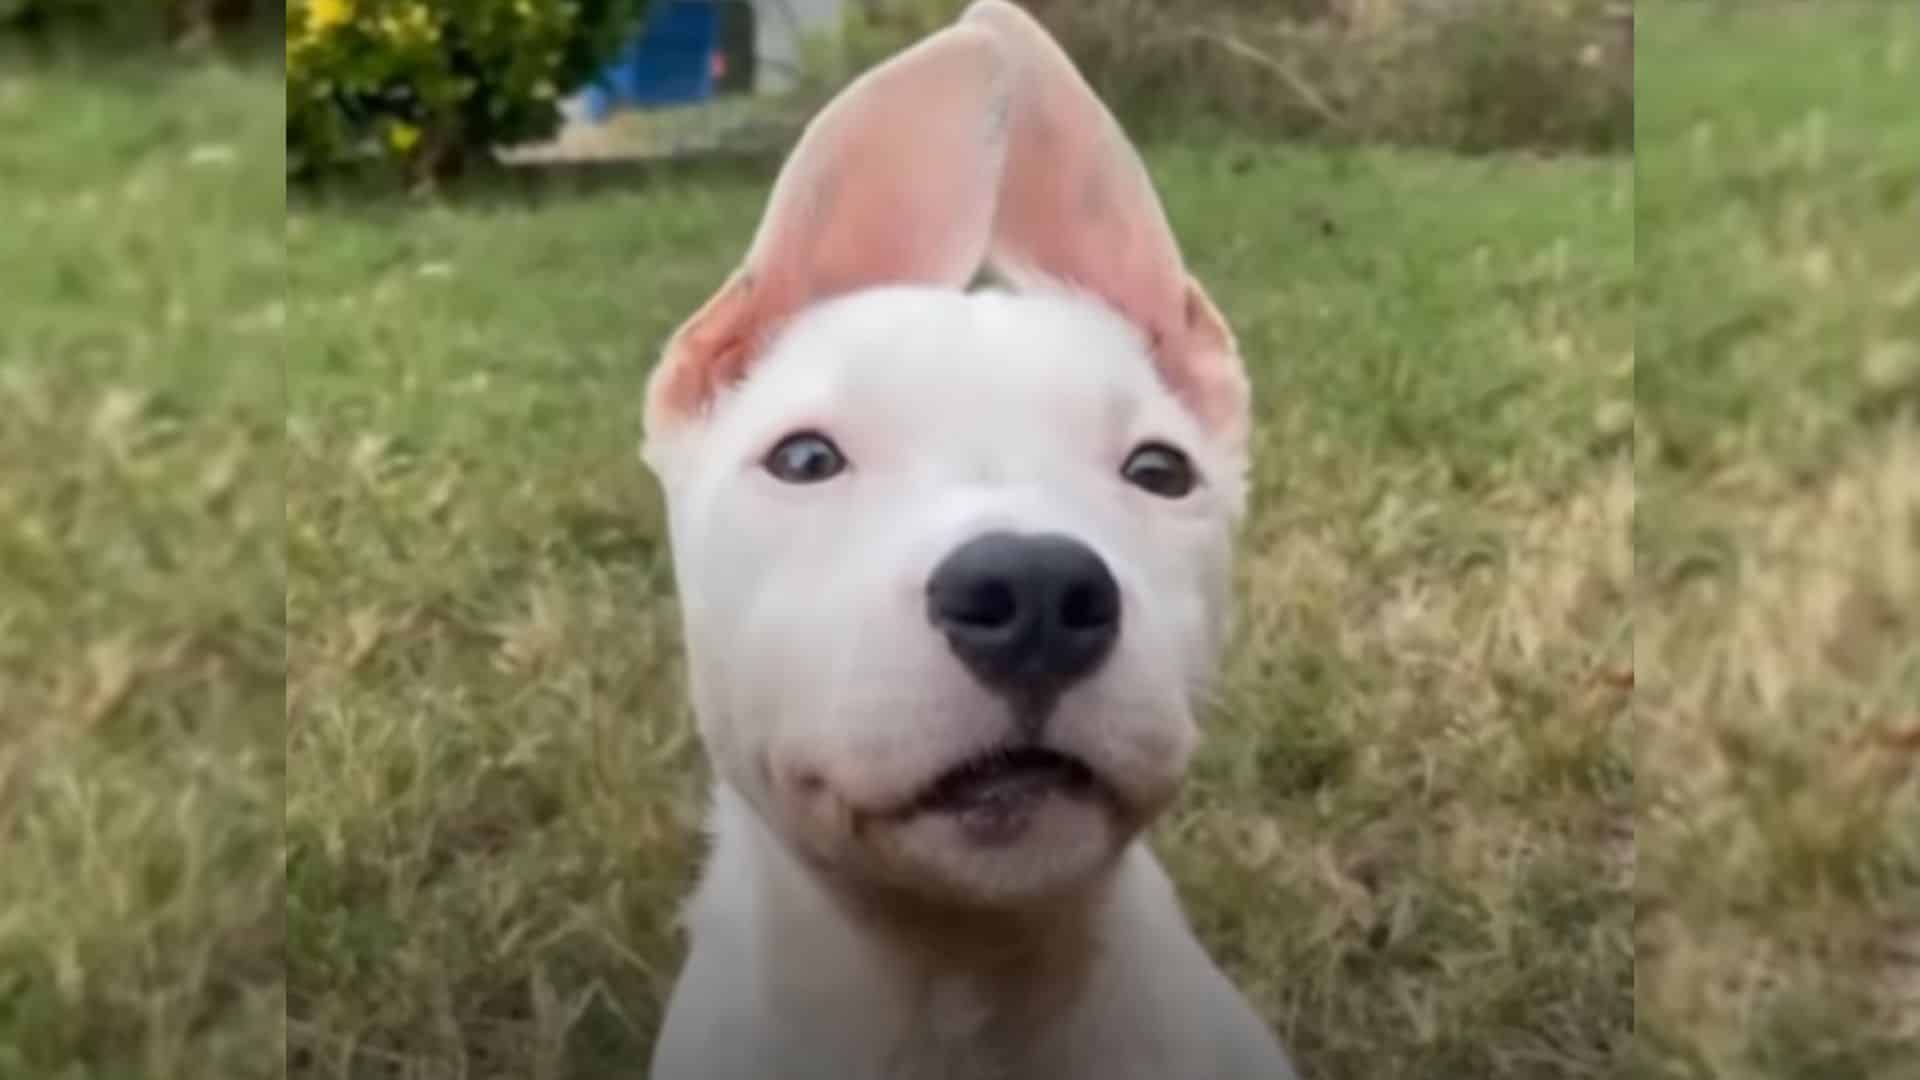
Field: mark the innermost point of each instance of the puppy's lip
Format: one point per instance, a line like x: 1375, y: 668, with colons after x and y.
x: 1003, y: 772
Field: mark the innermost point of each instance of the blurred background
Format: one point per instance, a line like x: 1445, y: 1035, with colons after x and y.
x: 368, y: 77
x: 434, y: 85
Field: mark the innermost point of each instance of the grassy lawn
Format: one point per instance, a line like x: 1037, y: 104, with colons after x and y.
x: 1570, y: 729
x: 142, y: 571
x: 1777, y: 621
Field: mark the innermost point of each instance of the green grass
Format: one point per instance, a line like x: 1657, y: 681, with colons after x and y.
x: 142, y: 570
x: 1569, y: 730
x: 1778, y: 541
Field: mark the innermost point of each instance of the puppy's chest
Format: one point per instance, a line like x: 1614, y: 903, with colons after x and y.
x: 956, y: 1029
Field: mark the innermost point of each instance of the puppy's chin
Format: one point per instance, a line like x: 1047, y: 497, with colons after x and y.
x: 1045, y: 847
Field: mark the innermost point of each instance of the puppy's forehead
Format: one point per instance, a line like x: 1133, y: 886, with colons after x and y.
x: 942, y: 357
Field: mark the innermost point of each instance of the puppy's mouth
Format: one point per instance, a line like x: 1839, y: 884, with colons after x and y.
x: 1006, y: 780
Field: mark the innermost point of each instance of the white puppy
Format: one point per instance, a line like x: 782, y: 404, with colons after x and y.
x: 954, y: 570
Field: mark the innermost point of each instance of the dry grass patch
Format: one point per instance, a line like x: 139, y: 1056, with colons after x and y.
x: 1780, y: 771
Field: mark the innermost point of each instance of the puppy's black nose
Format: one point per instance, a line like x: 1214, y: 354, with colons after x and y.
x: 1029, y: 615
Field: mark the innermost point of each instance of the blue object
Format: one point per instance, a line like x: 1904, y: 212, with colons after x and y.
x: 670, y: 62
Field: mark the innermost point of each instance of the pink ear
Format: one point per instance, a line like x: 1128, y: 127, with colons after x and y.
x: 1076, y: 206
x: 892, y: 183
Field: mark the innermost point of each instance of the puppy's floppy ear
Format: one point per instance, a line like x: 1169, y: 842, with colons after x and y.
x: 892, y: 183
x: 1076, y: 207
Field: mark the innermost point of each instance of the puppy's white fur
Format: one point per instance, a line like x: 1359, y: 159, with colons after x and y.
x: 785, y: 982
x: 841, y: 931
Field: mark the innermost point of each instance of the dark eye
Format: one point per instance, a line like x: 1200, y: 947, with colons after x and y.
x: 805, y: 457
x: 1161, y: 469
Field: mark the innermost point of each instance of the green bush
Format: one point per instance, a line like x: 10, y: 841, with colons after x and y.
x: 429, y: 86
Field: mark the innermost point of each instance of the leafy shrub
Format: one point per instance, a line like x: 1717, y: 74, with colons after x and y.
x: 428, y: 87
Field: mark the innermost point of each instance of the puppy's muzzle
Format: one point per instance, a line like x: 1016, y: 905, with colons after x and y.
x: 1029, y: 615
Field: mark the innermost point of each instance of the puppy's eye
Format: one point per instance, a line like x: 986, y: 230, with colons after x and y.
x: 805, y: 457
x: 1160, y: 469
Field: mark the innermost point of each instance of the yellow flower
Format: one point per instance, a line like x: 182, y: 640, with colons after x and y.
x: 402, y: 136
x: 324, y: 15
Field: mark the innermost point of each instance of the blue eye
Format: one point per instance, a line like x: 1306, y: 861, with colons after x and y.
x: 805, y: 457
x: 1160, y: 469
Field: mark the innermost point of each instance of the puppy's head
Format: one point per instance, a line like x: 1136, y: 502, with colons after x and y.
x: 953, y: 562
